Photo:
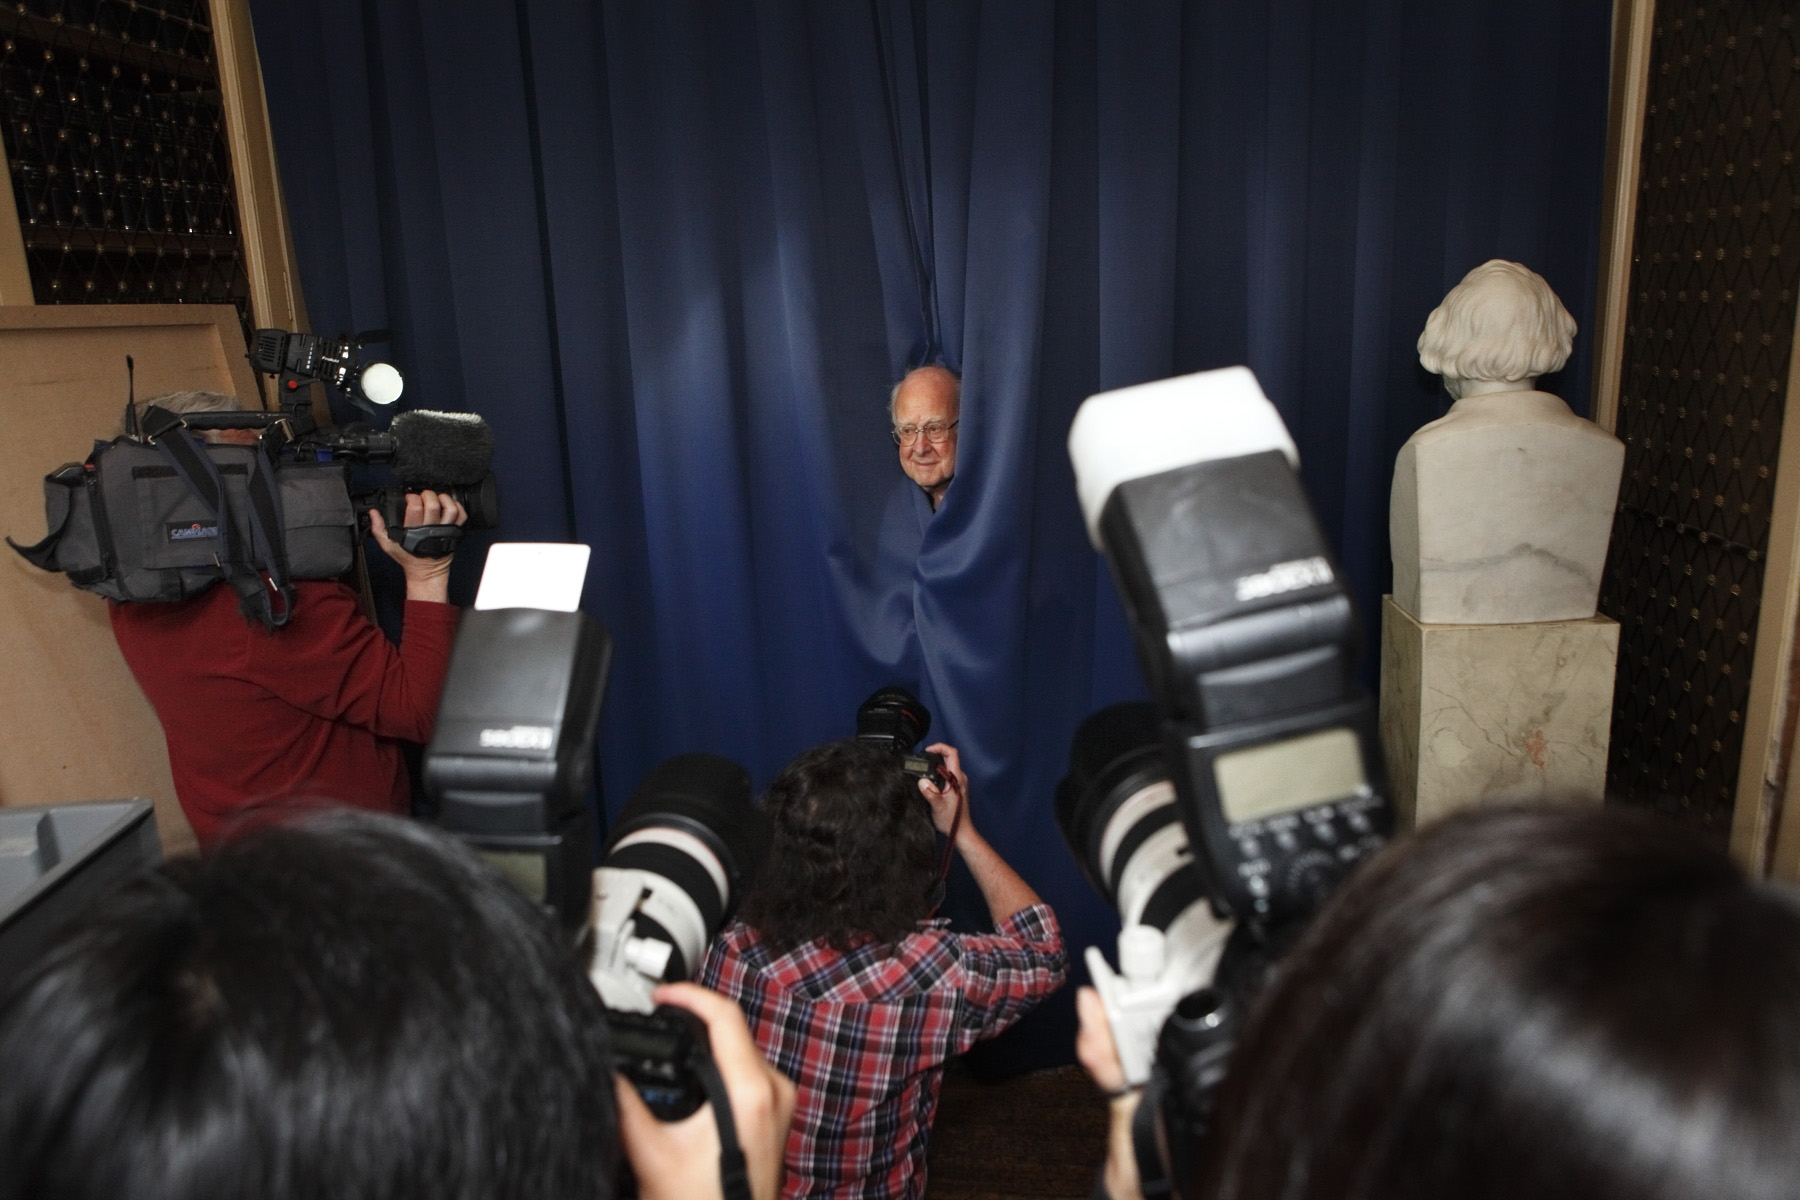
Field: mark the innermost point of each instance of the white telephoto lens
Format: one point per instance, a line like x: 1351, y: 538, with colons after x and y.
x: 381, y: 383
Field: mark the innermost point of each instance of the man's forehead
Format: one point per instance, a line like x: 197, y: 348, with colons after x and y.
x: 924, y: 395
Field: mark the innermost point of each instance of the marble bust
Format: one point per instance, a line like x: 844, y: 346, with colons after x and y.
x: 1502, y: 508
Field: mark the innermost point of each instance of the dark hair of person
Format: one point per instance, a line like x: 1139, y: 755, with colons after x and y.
x: 1548, y: 1002
x: 853, y: 855
x: 351, y: 1007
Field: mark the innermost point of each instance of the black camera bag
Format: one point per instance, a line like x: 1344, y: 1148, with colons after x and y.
x: 168, y: 516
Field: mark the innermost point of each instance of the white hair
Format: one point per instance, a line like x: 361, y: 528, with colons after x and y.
x: 1502, y: 323
x: 894, y: 392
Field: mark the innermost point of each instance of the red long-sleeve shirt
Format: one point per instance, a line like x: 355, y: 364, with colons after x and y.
x: 315, y: 709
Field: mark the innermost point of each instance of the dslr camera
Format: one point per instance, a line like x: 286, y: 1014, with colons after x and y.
x: 510, y: 766
x: 894, y: 717
x: 1219, y: 817
x: 511, y: 769
x: 676, y: 866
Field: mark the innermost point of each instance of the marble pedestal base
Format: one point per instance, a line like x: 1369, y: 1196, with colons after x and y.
x: 1473, y: 714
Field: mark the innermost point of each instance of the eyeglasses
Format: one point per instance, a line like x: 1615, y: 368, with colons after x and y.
x: 937, y: 433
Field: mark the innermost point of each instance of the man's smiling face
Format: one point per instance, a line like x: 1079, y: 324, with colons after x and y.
x: 928, y: 404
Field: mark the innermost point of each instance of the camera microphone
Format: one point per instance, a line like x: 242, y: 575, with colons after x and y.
x: 438, y: 450
x: 448, y: 452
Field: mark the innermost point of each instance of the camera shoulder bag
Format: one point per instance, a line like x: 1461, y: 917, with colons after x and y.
x: 164, y: 518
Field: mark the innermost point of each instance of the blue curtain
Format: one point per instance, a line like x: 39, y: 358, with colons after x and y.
x: 677, y: 253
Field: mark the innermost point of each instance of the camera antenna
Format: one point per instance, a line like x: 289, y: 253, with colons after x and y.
x: 131, y: 421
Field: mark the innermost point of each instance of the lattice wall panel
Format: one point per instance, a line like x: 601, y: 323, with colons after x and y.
x: 114, y: 133
x: 1711, y: 320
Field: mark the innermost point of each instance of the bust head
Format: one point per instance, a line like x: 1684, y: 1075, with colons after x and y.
x: 1501, y: 325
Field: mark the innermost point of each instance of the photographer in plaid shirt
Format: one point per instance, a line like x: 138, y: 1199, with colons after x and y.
x: 849, y: 988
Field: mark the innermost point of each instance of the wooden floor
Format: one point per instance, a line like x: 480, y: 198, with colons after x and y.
x: 1038, y: 1135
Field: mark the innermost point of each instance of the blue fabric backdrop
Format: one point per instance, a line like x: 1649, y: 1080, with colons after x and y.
x: 676, y: 254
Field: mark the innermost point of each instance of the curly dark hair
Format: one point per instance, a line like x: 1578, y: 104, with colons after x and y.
x: 853, y: 856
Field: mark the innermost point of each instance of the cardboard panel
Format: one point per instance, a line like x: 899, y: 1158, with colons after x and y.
x: 73, y: 723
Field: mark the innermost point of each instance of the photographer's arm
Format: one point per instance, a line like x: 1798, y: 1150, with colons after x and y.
x: 680, y: 1159
x: 331, y: 662
x: 1005, y: 892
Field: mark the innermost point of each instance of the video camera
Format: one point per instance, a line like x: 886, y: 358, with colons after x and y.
x: 159, y: 516
x: 445, y: 452
x: 1219, y: 818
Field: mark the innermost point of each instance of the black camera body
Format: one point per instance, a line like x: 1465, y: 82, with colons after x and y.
x: 926, y: 765
x: 481, y: 501
x: 893, y: 717
x: 662, y: 1053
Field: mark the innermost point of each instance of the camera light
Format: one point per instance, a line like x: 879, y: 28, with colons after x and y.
x: 381, y: 383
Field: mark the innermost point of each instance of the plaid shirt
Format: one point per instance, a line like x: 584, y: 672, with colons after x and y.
x: 865, y: 1035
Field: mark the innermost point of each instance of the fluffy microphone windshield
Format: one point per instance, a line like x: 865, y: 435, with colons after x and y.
x: 441, y: 449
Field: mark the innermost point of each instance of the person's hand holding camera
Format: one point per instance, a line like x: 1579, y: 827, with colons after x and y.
x: 426, y: 578
x: 1000, y: 885
x: 680, y: 1159
x: 945, y: 801
x: 1099, y: 1057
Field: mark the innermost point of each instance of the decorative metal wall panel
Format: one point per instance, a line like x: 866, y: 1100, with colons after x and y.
x: 115, y: 137
x: 1710, y: 325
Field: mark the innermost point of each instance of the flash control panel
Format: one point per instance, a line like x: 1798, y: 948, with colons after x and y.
x: 1295, y: 858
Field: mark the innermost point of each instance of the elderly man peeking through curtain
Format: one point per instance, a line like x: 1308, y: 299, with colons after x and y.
x: 926, y: 407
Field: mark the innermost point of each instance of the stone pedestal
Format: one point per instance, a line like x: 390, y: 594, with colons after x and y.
x: 1472, y: 714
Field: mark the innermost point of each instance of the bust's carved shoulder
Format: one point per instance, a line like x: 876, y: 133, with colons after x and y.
x: 1502, y: 409
x: 1501, y: 510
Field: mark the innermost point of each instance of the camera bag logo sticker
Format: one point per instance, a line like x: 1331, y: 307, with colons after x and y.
x: 519, y: 737
x: 1285, y: 577
x: 191, y: 531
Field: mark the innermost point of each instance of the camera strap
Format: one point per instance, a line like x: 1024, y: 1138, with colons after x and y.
x: 734, y: 1176
x: 949, y: 851
x: 1153, y: 1172
x: 267, y: 525
x: 946, y: 856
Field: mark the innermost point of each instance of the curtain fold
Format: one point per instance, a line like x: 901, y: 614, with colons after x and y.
x: 676, y: 255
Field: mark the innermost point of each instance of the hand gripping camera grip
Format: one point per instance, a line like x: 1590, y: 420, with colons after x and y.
x: 1135, y: 1010
x: 431, y: 541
